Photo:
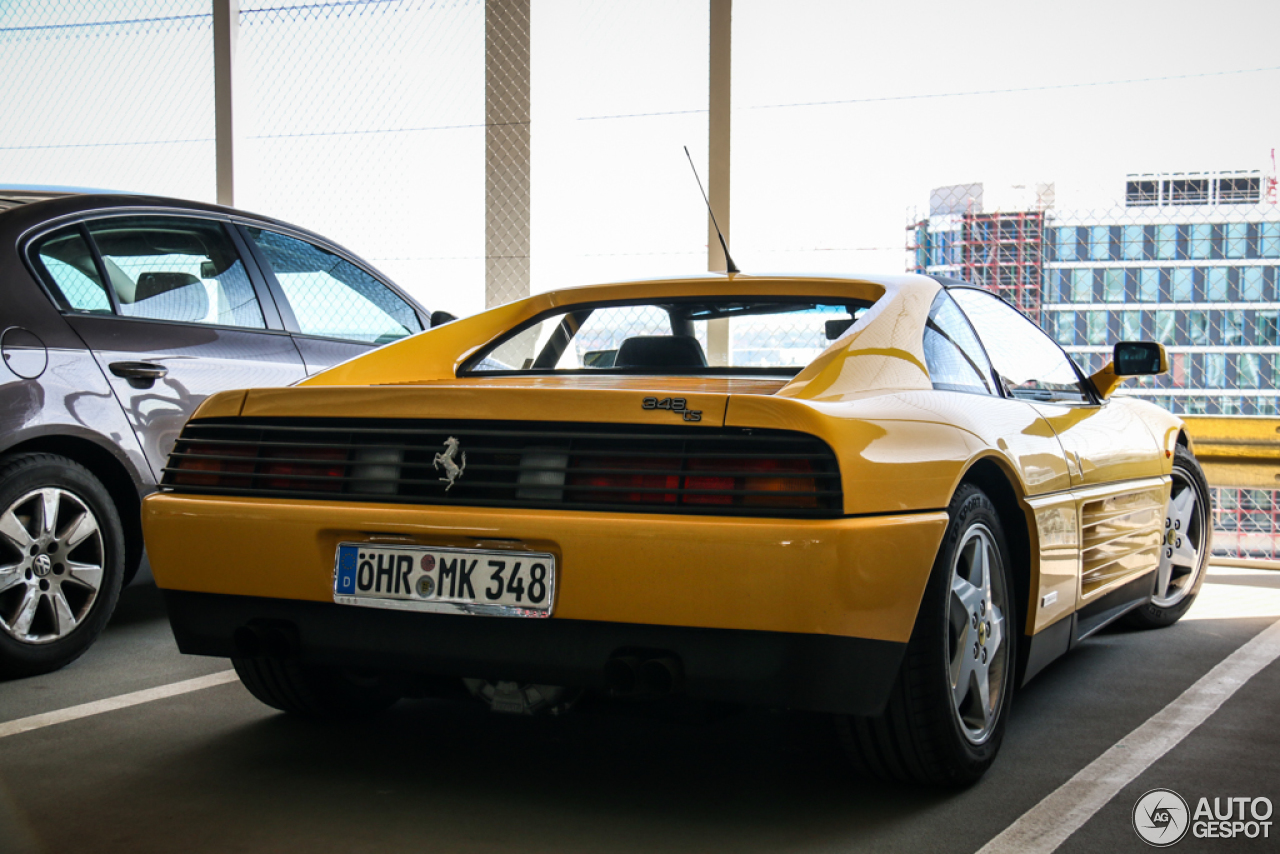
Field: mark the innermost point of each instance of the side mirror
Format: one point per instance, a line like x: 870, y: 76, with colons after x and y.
x: 1130, y: 359
x: 440, y: 318
x: 1139, y: 359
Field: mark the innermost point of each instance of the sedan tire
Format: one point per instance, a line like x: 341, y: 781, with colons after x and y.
x: 946, y: 714
x: 61, y: 562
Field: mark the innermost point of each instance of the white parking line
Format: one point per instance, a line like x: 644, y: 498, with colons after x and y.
x: 1047, y: 825
x: 112, y: 703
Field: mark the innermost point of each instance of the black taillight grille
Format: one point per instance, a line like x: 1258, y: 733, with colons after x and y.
x: 503, y: 464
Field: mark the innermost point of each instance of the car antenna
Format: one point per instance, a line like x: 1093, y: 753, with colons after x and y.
x: 729, y: 266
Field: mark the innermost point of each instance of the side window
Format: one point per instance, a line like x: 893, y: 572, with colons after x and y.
x: 952, y: 352
x: 174, y: 268
x: 69, y: 269
x: 332, y: 297
x: 1029, y: 364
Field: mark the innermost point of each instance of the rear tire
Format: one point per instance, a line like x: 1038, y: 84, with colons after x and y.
x: 311, y: 692
x: 61, y: 562
x: 1184, y: 553
x: 946, y: 715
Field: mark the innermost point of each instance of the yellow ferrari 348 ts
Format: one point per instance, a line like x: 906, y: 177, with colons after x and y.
x: 889, y: 498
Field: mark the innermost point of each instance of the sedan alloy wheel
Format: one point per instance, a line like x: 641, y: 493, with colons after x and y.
x: 51, y: 578
x: 61, y: 562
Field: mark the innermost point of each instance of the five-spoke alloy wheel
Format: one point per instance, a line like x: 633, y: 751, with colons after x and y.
x: 976, y: 630
x: 1185, y: 547
x: 61, y: 547
x: 946, y: 714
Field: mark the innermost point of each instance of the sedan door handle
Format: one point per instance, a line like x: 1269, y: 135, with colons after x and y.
x: 139, y: 374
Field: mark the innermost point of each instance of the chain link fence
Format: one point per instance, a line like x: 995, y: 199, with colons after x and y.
x: 365, y: 121
x: 406, y: 130
x: 618, y: 90
x: 110, y: 94
x: 389, y: 126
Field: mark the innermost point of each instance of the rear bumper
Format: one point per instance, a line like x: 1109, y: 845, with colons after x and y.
x: 856, y: 577
x: 803, y: 671
x: 811, y: 613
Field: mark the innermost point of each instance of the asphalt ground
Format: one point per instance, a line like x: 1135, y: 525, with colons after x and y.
x: 213, y: 770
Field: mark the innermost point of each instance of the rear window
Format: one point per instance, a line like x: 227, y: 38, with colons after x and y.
x: 771, y: 336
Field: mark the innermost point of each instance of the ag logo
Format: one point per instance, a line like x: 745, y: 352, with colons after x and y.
x: 1161, y: 818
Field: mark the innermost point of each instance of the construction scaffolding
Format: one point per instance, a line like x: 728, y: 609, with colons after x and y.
x: 1001, y: 252
x: 1004, y: 253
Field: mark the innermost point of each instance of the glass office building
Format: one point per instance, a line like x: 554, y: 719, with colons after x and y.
x: 1191, y: 260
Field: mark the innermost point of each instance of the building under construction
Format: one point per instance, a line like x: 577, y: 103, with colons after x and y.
x: 1001, y: 251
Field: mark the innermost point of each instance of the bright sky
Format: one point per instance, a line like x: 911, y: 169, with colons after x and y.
x: 367, y: 125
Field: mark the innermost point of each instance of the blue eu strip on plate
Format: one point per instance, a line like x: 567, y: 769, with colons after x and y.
x: 346, y: 569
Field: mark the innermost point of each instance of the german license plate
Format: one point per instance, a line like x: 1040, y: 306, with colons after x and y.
x: 460, y: 581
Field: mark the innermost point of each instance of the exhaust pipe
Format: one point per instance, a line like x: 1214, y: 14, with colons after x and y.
x: 634, y: 676
x: 659, y: 676
x: 622, y: 675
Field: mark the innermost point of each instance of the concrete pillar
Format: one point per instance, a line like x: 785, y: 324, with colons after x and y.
x: 718, y: 145
x: 718, y: 137
x: 226, y: 33
x: 507, y: 151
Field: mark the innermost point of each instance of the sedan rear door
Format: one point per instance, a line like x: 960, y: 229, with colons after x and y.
x: 186, y: 320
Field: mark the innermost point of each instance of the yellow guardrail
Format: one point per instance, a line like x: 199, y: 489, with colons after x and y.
x: 1237, y: 451
x: 1240, y: 452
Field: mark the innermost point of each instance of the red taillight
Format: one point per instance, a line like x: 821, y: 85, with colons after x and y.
x: 212, y: 470
x: 305, y: 476
x: 762, y: 481
x: 616, y: 482
x: 707, y: 479
x: 777, y: 476
x: 716, y: 481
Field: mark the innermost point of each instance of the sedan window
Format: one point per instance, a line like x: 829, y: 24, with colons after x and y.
x: 68, y: 267
x: 176, y: 269
x: 1029, y: 364
x: 330, y: 296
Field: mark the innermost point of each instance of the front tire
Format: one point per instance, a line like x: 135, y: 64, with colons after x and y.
x: 946, y: 716
x: 61, y: 562
x: 1185, y: 550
